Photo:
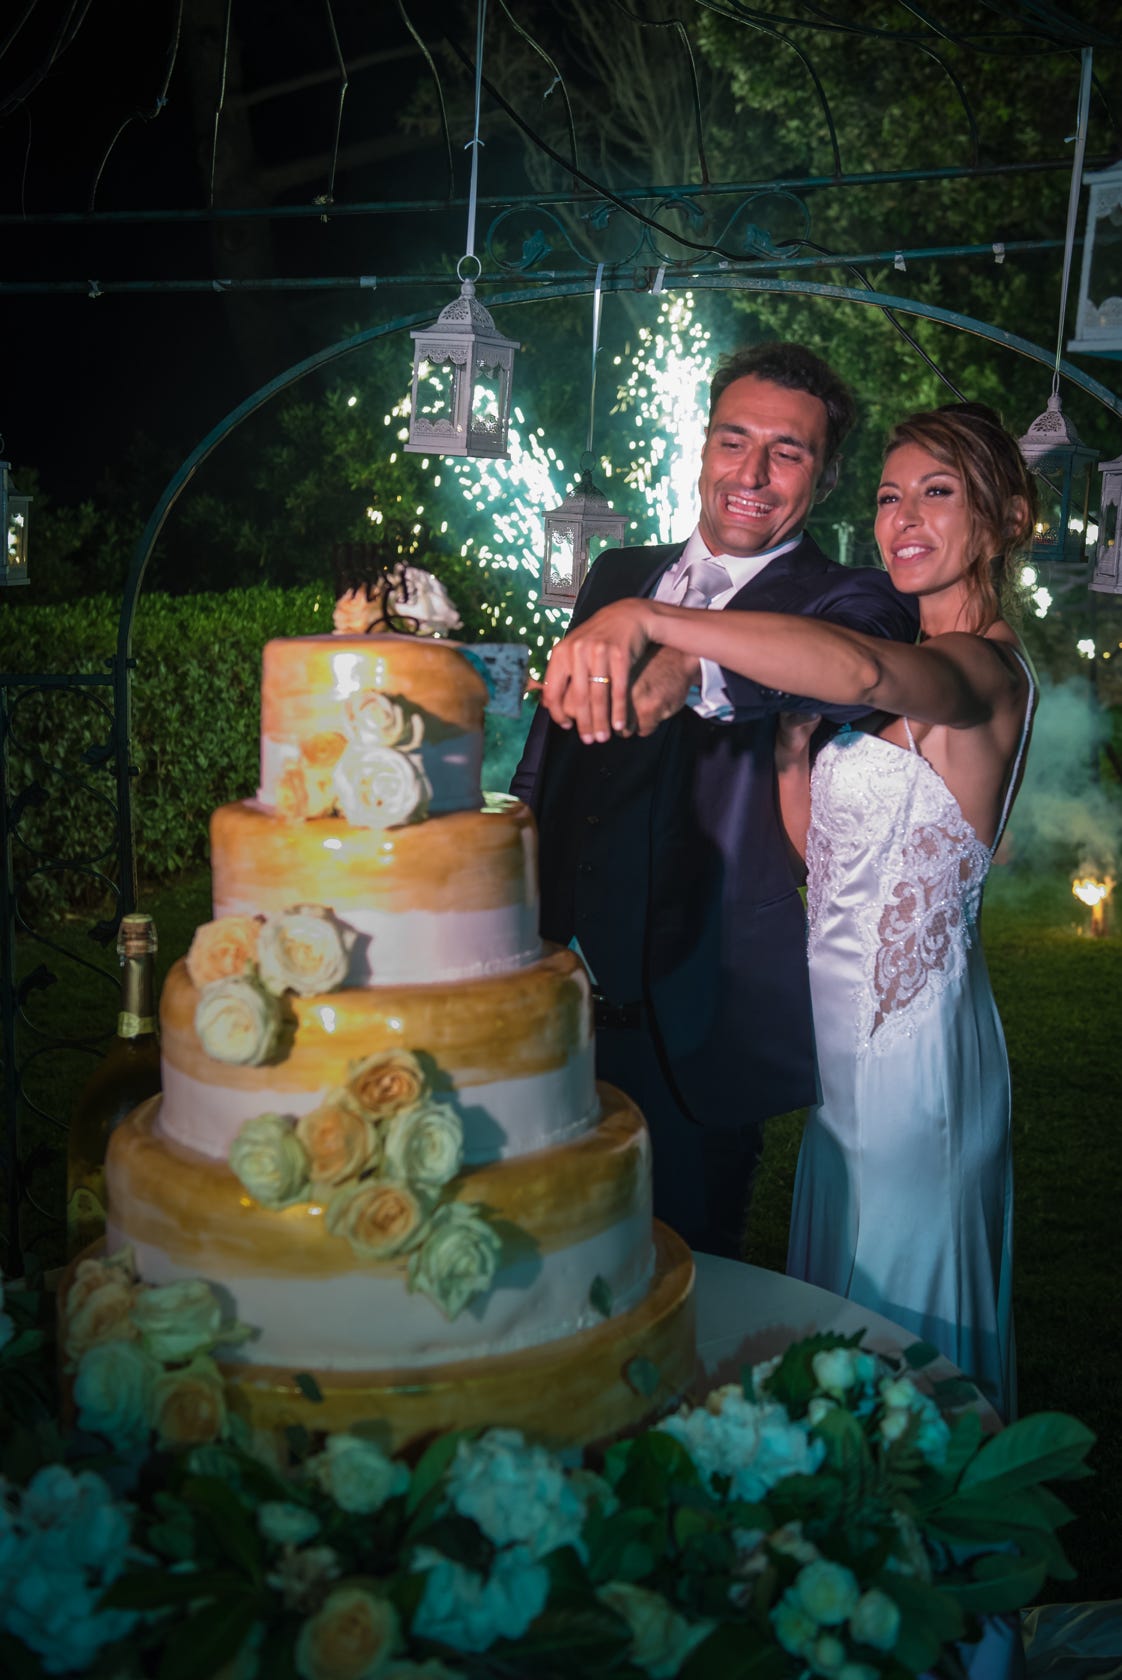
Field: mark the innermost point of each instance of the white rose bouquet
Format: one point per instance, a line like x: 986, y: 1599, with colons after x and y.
x: 777, y: 1528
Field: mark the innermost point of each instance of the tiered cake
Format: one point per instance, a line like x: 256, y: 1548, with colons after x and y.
x: 379, y: 1133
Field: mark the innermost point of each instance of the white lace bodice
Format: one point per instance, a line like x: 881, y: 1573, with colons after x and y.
x: 895, y: 877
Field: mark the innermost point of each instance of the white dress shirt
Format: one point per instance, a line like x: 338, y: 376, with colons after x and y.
x: 711, y: 699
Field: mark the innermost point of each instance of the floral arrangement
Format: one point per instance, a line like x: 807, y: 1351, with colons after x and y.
x: 823, y: 1517
x: 242, y: 968
x: 380, y: 1153
x: 369, y: 769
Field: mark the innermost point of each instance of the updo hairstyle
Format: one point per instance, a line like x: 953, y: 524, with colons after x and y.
x: 970, y: 440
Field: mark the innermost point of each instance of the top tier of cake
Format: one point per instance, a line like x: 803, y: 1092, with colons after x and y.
x: 329, y: 702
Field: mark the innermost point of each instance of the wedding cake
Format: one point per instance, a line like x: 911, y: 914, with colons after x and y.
x: 379, y: 1134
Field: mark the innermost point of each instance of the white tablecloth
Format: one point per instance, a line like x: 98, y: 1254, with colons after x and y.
x: 745, y: 1315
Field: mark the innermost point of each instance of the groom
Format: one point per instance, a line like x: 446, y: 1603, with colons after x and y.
x: 662, y: 854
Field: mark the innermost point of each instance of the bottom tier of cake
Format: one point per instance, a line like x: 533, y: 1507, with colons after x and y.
x: 594, y: 1386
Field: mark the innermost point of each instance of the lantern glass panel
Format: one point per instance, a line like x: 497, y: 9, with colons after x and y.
x: 488, y: 397
x: 435, y: 401
x: 1101, y: 306
x: 562, y: 567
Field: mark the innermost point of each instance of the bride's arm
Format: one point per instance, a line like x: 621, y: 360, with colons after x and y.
x: 952, y: 679
x: 793, y: 731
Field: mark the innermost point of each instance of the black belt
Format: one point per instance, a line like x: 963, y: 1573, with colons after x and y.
x: 609, y: 1014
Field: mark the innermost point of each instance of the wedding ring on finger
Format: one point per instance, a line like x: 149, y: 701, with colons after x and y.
x: 600, y: 679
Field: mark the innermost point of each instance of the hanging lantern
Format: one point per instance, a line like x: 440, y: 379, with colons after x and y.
x: 462, y: 372
x: 576, y: 533
x: 1062, y: 463
x: 1108, y: 551
x: 1099, y: 319
x: 14, y: 515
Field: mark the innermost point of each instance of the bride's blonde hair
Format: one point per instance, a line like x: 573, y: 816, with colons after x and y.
x: 1000, y: 496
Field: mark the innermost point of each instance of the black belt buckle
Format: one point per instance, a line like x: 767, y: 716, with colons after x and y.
x: 608, y: 1014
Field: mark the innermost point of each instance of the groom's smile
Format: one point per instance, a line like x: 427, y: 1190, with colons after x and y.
x: 763, y: 457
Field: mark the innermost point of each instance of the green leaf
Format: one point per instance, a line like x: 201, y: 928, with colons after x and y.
x: 158, y: 1589
x: 432, y: 1467
x: 643, y: 1376
x: 736, y: 1652
x: 919, y: 1354
x: 208, y: 1639
x: 308, y: 1386
x: 1000, y: 1584
x: 600, y: 1296
x: 228, y: 1522
x: 1035, y: 1449
x: 929, y: 1619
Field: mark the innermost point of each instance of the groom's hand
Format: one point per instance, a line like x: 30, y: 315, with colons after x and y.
x: 660, y: 687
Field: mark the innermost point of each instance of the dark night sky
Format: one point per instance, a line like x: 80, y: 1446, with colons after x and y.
x: 83, y: 375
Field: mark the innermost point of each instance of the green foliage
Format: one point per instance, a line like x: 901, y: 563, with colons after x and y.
x: 648, y: 1554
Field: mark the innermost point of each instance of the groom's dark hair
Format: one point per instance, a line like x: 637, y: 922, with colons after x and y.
x: 797, y: 369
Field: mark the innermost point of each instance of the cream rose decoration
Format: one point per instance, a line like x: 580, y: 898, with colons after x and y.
x: 238, y: 1021
x: 341, y: 1141
x: 457, y: 1260
x: 352, y: 1637
x: 303, y: 950
x: 374, y: 719
x: 324, y: 749
x: 379, y: 787
x: 357, y: 1474
x: 270, y: 1160
x: 424, y: 1146
x: 305, y: 791
x: 661, y: 1639
x: 222, y: 949
x: 112, y: 1390
x: 178, y: 1320
x: 387, y: 1082
x: 187, y: 1406
x: 379, y: 1219
x: 103, y: 1314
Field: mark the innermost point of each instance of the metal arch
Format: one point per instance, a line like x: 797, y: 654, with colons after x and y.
x: 630, y: 281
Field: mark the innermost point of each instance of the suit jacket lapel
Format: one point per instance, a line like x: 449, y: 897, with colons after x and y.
x: 781, y: 586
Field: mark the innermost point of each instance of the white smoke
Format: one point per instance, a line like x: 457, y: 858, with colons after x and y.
x: 1065, y: 816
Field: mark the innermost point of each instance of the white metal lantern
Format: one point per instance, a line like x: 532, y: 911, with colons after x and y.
x: 1108, y: 553
x: 576, y: 533
x: 1052, y: 449
x: 462, y: 370
x: 1099, y: 319
x: 14, y: 515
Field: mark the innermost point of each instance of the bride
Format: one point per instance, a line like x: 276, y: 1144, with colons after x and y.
x: 903, y: 1198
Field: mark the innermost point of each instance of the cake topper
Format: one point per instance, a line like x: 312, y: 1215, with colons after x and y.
x: 376, y: 593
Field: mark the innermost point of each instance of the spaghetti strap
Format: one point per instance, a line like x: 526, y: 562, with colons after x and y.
x: 908, y: 732
x: 1025, y: 728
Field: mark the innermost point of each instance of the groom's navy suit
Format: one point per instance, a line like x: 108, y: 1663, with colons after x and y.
x: 665, y: 857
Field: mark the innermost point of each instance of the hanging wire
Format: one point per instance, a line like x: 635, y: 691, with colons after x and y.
x: 445, y: 130
x: 475, y: 142
x: 683, y: 35
x: 597, y: 296
x: 558, y: 81
x: 1073, y: 200
x: 343, y: 85
x: 158, y: 104
x: 221, y: 102
x: 64, y: 38
x: 17, y: 26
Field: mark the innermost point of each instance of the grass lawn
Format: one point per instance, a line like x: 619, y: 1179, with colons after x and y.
x: 1055, y: 986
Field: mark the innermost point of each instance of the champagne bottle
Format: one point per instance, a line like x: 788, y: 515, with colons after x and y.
x: 127, y: 1074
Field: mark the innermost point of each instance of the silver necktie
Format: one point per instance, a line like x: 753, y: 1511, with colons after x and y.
x: 703, y: 579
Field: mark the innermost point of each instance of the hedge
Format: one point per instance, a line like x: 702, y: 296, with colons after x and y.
x: 196, y: 720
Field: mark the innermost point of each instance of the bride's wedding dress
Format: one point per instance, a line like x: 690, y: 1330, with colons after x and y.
x: 904, y: 1192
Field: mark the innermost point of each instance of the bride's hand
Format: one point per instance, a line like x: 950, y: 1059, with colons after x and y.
x: 589, y: 675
